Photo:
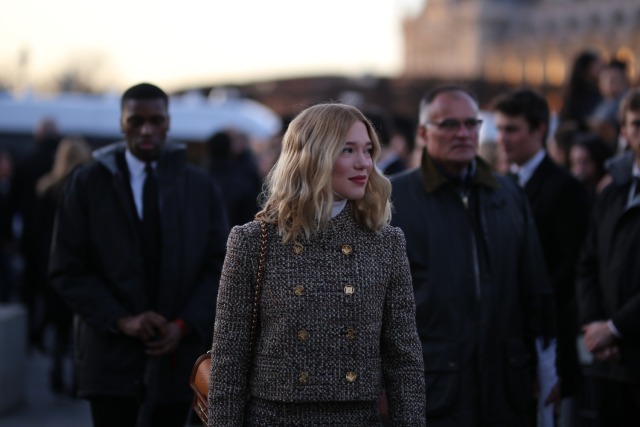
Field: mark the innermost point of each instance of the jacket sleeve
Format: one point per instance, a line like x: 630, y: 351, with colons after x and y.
x: 232, y: 331
x: 402, y: 362
x: 71, y: 269
x: 536, y: 293
x: 588, y: 293
x: 197, y: 312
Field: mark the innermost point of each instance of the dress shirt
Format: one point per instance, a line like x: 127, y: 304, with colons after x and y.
x: 525, y: 171
x: 137, y: 176
x: 338, y: 207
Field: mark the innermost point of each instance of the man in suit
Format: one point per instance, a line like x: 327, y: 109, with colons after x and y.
x: 137, y: 253
x: 560, y: 206
x: 608, y: 281
x: 482, y: 293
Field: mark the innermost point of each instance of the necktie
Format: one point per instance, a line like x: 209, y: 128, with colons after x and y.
x: 151, y: 231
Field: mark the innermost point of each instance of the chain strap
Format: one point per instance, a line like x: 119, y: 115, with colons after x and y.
x: 258, y: 288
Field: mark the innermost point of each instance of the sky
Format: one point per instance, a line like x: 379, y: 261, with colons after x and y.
x: 189, y: 42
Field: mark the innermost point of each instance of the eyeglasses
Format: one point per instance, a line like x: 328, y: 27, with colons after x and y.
x: 454, y: 125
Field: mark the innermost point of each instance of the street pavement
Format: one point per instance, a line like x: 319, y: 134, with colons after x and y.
x: 42, y: 407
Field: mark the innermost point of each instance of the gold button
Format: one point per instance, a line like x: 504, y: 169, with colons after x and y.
x: 303, y: 377
x: 298, y: 290
x: 298, y: 248
x: 351, y: 376
x: 346, y: 249
x: 349, y: 290
x: 351, y: 334
x: 303, y: 335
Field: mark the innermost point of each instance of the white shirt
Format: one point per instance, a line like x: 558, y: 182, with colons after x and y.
x: 137, y: 176
x: 526, y: 171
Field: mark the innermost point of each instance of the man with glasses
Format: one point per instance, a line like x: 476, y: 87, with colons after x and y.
x: 608, y: 282
x: 481, y: 288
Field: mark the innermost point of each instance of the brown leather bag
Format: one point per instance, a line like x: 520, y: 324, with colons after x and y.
x: 199, y: 380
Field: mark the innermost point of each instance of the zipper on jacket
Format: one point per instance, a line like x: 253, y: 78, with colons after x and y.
x: 464, y: 197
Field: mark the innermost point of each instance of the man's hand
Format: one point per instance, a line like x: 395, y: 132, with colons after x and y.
x: 597, y: 336
x: 554, y: 397
x: 146, y: 326
x: 609, y: 353
x: 166, y: 343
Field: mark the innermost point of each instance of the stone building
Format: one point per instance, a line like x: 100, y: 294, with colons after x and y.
x: 518, y: 41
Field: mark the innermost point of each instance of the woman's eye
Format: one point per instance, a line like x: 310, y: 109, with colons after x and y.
x: 347, y: 150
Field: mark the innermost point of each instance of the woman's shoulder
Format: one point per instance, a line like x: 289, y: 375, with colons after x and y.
x: 389, y: 232
x: 245, y: 233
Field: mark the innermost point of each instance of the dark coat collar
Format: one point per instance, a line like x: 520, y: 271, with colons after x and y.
x: 432, y: 179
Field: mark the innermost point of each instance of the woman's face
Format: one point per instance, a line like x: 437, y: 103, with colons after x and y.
x: 582, y: 165
x: 351, y: 169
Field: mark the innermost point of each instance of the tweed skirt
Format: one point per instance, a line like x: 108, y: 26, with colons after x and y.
x: 269, y: 413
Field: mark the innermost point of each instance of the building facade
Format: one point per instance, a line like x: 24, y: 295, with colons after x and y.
x: 518, y: 41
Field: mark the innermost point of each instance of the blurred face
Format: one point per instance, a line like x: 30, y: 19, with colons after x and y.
x: 582, y: 165
x: 144, y: 124
x: 630, y: 129
x: 351, y: 169
x: 518, y: 141
x: 612, y: 82
x: 451, y: 132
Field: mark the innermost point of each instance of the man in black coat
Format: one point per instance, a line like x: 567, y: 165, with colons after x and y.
x: 560, y: 206
x: 137, y: 253
x: 608, y: 282
x: 482, y: 294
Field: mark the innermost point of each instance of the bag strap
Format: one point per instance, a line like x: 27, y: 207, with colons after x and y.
x: 258, y: 288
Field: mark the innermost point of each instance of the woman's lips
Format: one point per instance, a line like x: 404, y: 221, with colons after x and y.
x: 361, y: 180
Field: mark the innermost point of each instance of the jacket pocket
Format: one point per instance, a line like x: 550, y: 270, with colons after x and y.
x: 519, y: 376
x: 442, y: 376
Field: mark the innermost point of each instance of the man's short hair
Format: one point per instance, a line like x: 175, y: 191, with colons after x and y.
x: 526, y: 103
x: 144, y: 91
x: 630, y: 102
x: 433, y: 93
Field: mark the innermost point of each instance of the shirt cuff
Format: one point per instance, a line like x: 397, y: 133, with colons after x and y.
x: 613, y: 329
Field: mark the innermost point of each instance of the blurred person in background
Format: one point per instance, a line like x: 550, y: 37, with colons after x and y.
x: 24, y: 203
x: 613, y: 84
x: 580, y: 93
x: 137, y: 251
x: 587, y: 158
x: 234, y: 167
x: 608, y: 282
x: 72, y: 152
x: 7, y: 249
x: 482, y: 294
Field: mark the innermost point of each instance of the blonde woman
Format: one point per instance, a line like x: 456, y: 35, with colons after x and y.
x: 71, y: 152
x: 337, y: 312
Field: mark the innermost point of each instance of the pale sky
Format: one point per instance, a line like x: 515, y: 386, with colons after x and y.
x: 183, y: 42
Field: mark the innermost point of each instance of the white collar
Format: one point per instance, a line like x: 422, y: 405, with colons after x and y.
x: 526, y: 171
x: 337, y: 207
x: 135, y: 165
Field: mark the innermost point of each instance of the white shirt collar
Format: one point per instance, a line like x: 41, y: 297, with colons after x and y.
x: 636, y: 170
x: 135, y: 165
x: 526, y: 171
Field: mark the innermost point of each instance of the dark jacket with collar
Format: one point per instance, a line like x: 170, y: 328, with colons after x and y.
x: 97, y: 267
x: 477, y: 345
x: 608, y: 275
x: 560, y: 206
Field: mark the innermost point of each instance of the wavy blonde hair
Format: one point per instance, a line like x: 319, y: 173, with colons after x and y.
x: 298, y: 195
x: 72, y: 151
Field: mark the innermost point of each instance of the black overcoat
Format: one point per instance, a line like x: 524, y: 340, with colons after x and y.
x: 97, y: 268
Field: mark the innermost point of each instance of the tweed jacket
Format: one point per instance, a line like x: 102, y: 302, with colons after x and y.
x: 337, y: 322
